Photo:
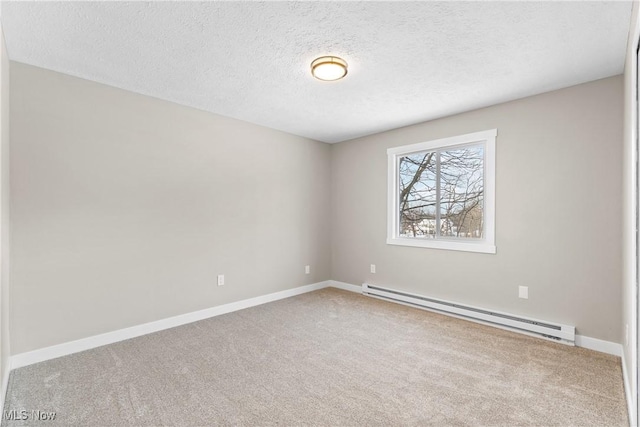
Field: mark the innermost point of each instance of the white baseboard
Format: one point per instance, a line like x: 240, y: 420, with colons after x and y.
x: 633, y: 421
x: 345, y: 286
x: 5, y: 384
x: 599, y: 345
x: 64, y: 349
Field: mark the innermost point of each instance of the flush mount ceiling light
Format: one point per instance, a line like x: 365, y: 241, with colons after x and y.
x: 329, y: 68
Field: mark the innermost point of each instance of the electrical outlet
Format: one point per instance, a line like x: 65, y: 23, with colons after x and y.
x: 523, y: 292
x: 373, y: 268
x: 220, y: 279
x: 307, y: 269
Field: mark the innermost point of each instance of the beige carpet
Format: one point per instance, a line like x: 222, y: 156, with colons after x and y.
x: 326, y: 358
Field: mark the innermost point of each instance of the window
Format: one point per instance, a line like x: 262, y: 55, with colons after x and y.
x: 442, y: 193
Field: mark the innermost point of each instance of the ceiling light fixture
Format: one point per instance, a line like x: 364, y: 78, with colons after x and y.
x: 329, y: 68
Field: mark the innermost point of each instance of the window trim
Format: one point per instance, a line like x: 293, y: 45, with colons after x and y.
x: 486, y: 245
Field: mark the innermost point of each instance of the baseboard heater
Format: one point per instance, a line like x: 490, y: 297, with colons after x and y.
x: 547, y: 330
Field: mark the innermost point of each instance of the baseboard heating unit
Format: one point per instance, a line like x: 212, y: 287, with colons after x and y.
x: 547, y: 330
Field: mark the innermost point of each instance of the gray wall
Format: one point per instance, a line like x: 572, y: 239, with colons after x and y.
x: 4, y: 212
x: 558, y: 204
x: 126, y: 207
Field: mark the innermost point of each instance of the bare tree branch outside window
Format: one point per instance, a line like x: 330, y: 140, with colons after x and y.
x: 442, y: 193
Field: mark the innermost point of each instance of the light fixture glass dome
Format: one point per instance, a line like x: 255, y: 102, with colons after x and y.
x: 329, y: 68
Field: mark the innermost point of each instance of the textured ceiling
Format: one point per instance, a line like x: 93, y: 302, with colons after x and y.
x: 408, y: 61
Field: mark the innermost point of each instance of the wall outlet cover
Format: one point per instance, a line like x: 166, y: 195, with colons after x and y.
x: 523, y: 292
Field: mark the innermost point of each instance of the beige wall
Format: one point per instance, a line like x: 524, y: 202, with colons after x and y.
x: 4, y: 214
x: 630, y: 194
x: 126, y: 207
x: 558, y: 204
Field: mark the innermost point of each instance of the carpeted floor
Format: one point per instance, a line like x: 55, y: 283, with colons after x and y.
x: 326, y: 358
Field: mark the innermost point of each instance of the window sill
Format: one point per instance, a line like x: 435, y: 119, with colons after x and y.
x: 481, y: 247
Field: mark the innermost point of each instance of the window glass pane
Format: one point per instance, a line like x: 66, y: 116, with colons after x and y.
x: 417, y: 204
x: 462, y: 192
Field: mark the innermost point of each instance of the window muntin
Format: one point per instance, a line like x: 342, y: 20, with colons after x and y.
x: 442, y: 193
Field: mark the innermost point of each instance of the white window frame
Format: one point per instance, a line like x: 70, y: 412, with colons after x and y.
x: 486, y: 245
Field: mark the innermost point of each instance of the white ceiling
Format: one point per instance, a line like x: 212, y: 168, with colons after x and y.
x: 408, y: 61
